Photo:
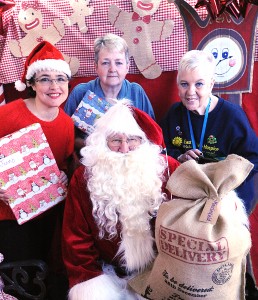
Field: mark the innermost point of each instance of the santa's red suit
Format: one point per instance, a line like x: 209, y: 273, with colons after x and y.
x: 84, y: 252
x: 82, y: 236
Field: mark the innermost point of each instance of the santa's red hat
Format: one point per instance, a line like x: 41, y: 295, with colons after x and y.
x: 43, y: 57
x: 124, y: 118
x: 152, y: 130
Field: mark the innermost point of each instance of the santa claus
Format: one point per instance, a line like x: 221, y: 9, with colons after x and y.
x: 111, y: 205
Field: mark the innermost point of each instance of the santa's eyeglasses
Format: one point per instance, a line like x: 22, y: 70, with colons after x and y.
x: 132, y: 141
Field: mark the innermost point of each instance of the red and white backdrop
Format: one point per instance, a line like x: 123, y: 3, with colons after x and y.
x: 74, y: 43
x: 73, y: 25
x: 53, y: 19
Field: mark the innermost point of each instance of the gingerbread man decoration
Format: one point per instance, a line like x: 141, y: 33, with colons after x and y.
x: 140, y: 30
x: 80, y: 11
x: 30, y: 20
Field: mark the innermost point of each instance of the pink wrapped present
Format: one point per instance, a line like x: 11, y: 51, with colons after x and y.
x: 29, y: 173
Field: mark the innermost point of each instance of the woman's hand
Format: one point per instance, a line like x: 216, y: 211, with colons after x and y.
x: 63, y: 178
x: 188, y: 155
x: 4, y: 196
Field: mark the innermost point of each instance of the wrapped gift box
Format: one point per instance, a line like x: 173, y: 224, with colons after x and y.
x: 89, y: 109
x: 29, y: 173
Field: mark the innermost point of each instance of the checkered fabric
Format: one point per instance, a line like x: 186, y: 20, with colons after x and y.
x: 74, y: 43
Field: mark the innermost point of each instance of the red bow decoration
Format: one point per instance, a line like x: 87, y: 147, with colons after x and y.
x: 26, y: 5
x: 236, y: 8
x: 145, y: 19
x: 4, y: 6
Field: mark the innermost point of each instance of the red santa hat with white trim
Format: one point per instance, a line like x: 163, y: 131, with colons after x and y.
x: 124, y: 118
x: 44, y: 57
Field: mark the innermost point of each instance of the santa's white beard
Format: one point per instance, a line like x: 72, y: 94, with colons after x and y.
x: 126, y: 188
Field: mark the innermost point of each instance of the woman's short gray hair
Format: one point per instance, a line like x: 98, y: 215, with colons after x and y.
x: 110, y: 41
x: 194, y: 59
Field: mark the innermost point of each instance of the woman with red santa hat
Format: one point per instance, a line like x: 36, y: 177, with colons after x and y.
x: 111, y: 205
x: 46, y: 74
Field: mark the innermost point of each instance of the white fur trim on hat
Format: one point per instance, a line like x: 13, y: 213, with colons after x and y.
x: 48, y: 64
x: 20, y: 86
x: 102, y: 287
x: 119, y: 119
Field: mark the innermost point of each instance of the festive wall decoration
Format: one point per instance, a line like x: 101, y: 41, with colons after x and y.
x: 235, y: 8
x: 140, y: 30
x: 74, y: 43
x: 80, y: 11
x: 30, y: 20
x: 230, y: 40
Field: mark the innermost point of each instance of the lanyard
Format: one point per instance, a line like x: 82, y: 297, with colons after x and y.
x: 203, y: 126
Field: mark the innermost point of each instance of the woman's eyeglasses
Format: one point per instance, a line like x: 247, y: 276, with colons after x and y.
x: 45, y: 81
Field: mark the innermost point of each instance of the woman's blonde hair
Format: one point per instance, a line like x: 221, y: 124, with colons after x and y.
x: 110, y: 41
x: 194, y: 59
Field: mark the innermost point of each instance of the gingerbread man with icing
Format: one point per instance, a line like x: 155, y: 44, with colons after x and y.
x: 140, y: 30
x: 80, y: 11
x: 30, y: 20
